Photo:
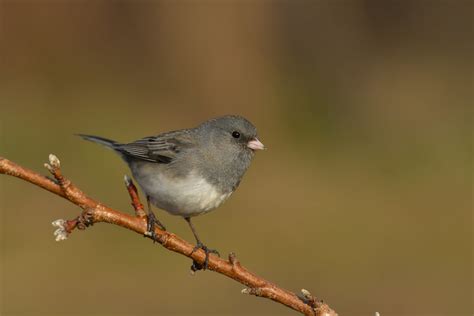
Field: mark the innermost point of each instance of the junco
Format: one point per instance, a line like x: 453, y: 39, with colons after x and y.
x: 190, y: 172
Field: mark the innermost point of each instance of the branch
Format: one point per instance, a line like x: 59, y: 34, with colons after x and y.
x: 96, y: 212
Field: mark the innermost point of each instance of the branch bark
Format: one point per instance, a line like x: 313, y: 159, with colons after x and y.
x: 96, y: 212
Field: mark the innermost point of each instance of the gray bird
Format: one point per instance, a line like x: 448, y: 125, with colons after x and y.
x: 190, y: 172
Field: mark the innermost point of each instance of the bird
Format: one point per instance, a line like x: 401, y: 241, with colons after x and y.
x: 189, y: 172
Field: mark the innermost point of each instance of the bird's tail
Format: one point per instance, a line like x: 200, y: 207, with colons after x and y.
x: 100, y: 140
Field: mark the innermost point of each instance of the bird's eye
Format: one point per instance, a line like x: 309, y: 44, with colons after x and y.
x: 235, y: 134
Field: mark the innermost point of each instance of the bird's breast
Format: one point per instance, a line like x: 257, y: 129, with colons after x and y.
x: 189, y: 195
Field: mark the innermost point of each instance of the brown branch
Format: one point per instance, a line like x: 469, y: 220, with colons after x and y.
x: 95, y: 212
x: 133, y: 192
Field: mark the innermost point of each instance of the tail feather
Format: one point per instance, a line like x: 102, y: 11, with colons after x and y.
x: 100, y: 140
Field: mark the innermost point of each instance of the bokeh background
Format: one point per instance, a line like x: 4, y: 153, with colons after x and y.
x: 364, y: 196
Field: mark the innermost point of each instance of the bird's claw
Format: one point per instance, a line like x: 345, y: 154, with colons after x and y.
x: 196, y: 266
x: 150, y: 227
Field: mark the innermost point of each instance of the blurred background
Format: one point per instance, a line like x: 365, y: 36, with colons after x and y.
x: 364, y: 196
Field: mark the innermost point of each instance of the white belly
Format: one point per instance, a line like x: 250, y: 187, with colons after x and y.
x: 189, y: 196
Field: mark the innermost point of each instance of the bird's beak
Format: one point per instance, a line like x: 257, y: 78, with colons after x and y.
x: 255, y: 144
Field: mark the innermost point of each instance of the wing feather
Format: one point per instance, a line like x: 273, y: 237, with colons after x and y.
x: 160, y: 149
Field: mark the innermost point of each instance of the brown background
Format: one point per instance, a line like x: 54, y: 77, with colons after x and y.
x: 364, y: 196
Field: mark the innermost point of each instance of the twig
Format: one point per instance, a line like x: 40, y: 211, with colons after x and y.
x: 133, y: 192
x: 95, y: 212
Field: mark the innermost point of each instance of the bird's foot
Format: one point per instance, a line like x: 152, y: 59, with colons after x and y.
x: 196, y: 266
x: 150, y: 226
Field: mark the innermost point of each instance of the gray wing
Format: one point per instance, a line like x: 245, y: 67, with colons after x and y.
x: 160, y: 149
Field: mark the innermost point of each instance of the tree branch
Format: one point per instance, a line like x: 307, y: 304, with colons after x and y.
x: 95, y: 212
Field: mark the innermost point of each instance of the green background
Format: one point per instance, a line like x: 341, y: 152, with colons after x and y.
x: 364, y: 196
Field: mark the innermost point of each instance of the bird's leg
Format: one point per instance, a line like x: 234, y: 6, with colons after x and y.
x: 152, y: 221
x: 199, y: 245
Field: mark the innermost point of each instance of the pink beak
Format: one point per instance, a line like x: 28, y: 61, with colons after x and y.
x: 255, y: 144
